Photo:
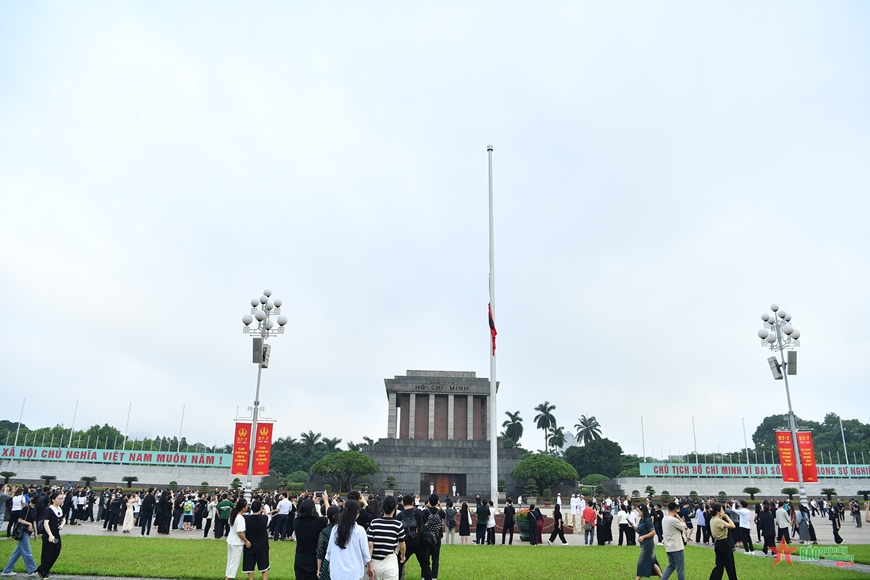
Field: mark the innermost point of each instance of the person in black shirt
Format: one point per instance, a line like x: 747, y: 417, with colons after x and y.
x: 508, y: 525
x: 364, y: 516
x: 115, y: 512
x: 433, y: 507
x: 307, y: 528
x: 257, y: 533
x: 415, y: 546
x: 51, y: 544
x: 146, y: 511
x: 657, y: 516
x: 533, y: 525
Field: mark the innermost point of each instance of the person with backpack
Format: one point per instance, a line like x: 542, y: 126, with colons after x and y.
x: 413, y: 522
x: 450, y: 521
x: 187, y: 511
x: 434, y: 531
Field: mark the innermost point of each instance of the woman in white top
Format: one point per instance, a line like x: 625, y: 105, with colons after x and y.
x: 348, y: 548
x: 490, y: 525
x: 18, y: 504
x: 236, y: 540
x: 624, y: 526
x: 633, y: 520
x: 209, y: 518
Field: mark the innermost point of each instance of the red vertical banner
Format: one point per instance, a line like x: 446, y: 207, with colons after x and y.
x: 241, y: 449
x: 263, y: 449
x: 808, y: 457
x: 786, y: 456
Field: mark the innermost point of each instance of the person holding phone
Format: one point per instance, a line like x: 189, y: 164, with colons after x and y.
x: 720, y: 523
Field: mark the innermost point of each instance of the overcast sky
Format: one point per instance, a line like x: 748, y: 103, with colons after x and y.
x: 663, y: 172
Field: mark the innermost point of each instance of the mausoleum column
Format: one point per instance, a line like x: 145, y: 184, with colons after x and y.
x: 449, y: 416
x: 431, y: 416
x: 391, y: 416
x: 412, y: 415
x: 470, y: 399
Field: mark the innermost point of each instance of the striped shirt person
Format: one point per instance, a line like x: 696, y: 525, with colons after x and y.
x: 386, y: 535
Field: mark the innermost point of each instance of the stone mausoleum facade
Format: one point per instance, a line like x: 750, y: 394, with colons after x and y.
x: 438, y: 434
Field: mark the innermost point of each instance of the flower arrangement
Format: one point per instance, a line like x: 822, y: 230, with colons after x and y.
x: 521, y: 514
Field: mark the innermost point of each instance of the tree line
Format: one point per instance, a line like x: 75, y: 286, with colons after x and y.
x: 593, y: 457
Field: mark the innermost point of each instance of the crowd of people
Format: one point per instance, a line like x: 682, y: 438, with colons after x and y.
x: 348, y: 537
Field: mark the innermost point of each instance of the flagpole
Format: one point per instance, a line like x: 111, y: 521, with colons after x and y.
x: 493, y: 411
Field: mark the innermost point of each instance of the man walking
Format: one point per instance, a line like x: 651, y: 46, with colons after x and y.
x: 673, y: 529
x: 783, y: 521
x: 745, y: 526
x: 413, y: 522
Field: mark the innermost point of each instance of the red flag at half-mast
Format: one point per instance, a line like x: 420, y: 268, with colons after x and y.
x: 492, y: 331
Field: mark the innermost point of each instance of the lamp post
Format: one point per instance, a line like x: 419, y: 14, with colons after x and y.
x: 262, y: 309
x: 778, y: 334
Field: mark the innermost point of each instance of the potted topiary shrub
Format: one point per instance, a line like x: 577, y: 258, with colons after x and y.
x: 390, y: 484
x: 522, y: 518
x: 531, y: 490
x: 548, y: 496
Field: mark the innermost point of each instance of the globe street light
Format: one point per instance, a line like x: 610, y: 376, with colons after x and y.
x: 262, y: 310
x: 778, y: 334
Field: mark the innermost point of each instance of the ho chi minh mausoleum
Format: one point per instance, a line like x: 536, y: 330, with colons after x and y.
x: 438, y: 433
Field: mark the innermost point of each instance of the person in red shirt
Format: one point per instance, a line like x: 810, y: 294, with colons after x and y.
x: 589, y: 521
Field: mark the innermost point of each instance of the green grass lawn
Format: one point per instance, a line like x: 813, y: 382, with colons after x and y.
x: 168, y: 558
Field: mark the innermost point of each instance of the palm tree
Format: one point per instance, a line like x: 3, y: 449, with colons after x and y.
x: 47, y: 478
x: 6, y: 475
x: 309, y: 442
x: 130, y: 479
x: 331, y: 444
x: 88, y: 479
x: 557, y: 437
x: 588, y: 429
x: 513, y: 427
x: 545, y: 420
x: 369, y: 441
